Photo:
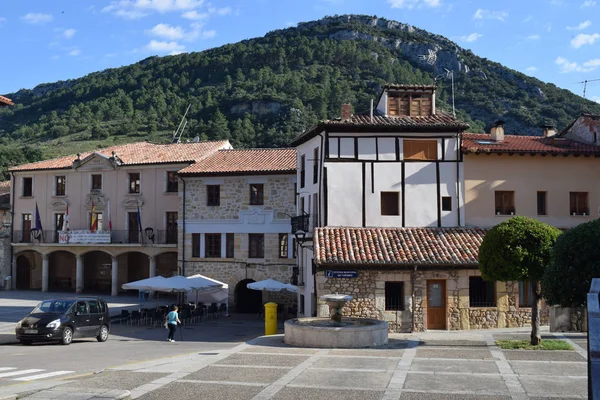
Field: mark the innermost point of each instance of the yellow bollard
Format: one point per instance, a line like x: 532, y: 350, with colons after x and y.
x: 271, y: 319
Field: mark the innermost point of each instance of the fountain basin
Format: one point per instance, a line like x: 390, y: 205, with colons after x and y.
x: 325, y: 333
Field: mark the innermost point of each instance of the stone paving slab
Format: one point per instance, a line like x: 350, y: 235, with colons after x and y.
x: 439, y: 396
x: 452, y: 343
x: 373, y: 363
x: 123, y: 380
x: 456, y: 383
x: 478, y: 354
x: 279, y: 350
x: 264, y: 360
x: 458, y: 366
x: 543, y: 355
x: 542, y: 386
x: 343, y: 379
x: 237, y: 374
x: 189, y: 390
x: 294, y: 393
x: 549, y: 368
x: 367, y: 352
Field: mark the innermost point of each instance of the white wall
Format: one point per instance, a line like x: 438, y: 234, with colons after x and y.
x: 421, y: 194
x: 387, y: 178
x: 344, y: 194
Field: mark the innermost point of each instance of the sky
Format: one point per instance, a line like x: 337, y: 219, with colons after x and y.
x: 43, y: 41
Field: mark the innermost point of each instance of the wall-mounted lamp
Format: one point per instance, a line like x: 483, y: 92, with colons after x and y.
x: 149, y: 234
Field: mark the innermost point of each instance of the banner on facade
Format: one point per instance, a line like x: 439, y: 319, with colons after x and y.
x: 83, y: 237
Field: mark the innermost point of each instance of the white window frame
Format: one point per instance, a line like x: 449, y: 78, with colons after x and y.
x: 128, y: 180
x: 101, y: 181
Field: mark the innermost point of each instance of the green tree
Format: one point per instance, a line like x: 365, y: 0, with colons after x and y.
x: 98, y: 132
x: 218, y: 128
x: 575, y: 261
x: 519, y: 249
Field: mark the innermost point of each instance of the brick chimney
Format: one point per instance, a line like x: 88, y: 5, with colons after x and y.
x: 346, y: 111
x: 549, y: 130
x: 497, y: 131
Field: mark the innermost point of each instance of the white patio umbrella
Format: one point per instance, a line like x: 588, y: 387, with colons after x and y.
x: 215, y: 294
x: 182, y: 284
x: 271, y: 285
x: 143, y: 284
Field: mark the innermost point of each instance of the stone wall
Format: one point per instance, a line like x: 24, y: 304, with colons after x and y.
x: 368, y: 291
x: 5, y: 261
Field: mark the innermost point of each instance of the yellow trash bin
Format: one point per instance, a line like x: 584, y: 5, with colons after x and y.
x: 271, y: 319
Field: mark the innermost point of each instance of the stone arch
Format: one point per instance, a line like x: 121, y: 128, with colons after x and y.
x: 247, y: 300
x: 97, y: 266
x: 62, y: 270
x: 133, y: 266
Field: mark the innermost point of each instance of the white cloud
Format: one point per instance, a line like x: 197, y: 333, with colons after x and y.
x: 194, y: 15
x: 581, y: 26
x: 583, y: 39
x: 69, y: 33
x: 74, y: 52
x: 527, y: 19
x: 220, y: 11
x: 470, y: 38
x: 533, y: 37
x: 567, y: 66
x: 167, y: 31
x: 588, y: 3
x: 410, y: 4
x: 37, y: 18
x: 164, y: 46
x: 531, y: 69
x: 489, y: 14
x: 133, y: 9
x: 596, y: 99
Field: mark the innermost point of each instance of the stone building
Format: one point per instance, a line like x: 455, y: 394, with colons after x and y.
x: 236, y: 207
x: 5, y: 224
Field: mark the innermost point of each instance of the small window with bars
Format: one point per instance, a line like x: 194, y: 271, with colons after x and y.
x: 172, y: 182
x: 256, y: 194
x: 481, y: 293
x: 394, y: 296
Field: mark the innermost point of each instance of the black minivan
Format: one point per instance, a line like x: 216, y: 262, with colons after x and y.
x: 65, y: 319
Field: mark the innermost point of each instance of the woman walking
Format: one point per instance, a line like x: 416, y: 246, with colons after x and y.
x: 172, y: 321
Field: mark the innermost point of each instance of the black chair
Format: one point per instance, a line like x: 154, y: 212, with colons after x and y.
x: 136, y: 316
x: 124, y: 316
x: 223, y: 309
x: 185, y: 315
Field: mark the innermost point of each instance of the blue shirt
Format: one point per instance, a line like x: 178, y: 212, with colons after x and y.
x: 172, y: 317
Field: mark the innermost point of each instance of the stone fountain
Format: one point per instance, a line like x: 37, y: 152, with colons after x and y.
x: 336, y: 331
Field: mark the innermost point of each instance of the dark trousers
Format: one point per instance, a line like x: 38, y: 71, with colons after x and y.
x: 172, y: 329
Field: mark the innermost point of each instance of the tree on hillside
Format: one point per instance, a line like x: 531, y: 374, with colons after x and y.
x: 575, y: 261
x: 519, y: 249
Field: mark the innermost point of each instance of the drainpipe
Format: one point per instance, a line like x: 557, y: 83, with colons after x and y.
x: 13, y: 282
x: 183, y: 222
x: 414, y: 276
x: 458, y: 157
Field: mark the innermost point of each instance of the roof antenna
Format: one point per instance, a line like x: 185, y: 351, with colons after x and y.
x: 371, y: 110
x: 177, y: 134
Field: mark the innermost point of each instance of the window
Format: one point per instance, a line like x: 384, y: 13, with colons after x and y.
x: 171, y: 227
x: 525, y: 294
x: 505, y: 202
x: 213, y: 195
x: 481, y: 293
x: 96, y: 182
x: 315, y: 210
x: 541, y: 203
x: 172, y: 182
x: 283, y: 245
x: 59, y: 221
x: 446, y: 203
x: 419, y: 149
x: 316, y: 166
x: 256, y: 245
x: 94, y: 308
x: 230, y: 245
x: 410, y: 105
x: 26, y: 228
x: 195, y: 245
x: 257, y: 194
x: 302, y: 170
x: 579, y: 203
x: 99, y: 219
x: 134, y: 182
x: 81, y: 308
x: 295, y: 193
x: 60, y: 185
x: 213, y: 245
x: 27, y: 187
x: 394, y: 296
x: 390, y: 203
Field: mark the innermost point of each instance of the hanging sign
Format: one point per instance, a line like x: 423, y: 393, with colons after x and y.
x: 332, y: 273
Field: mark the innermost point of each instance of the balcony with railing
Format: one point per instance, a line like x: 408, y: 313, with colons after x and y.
x: 147, y: 237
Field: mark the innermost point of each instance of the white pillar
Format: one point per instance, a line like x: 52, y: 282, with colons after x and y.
x: 13, y: 279
x: 152, y: 269
x: 114, y: 287
x: 45, y: 272
x: 79, y: 274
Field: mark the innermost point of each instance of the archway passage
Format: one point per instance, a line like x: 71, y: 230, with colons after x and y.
x: 97, y: 272
x: 23, y: 273
x: 247, y: 300
x: 62, y: 271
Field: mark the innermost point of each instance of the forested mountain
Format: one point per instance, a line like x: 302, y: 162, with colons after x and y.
x: 264, y: 91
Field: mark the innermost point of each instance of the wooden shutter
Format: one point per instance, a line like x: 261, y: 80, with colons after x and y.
x: 420, y: 149
x: 392, y: 105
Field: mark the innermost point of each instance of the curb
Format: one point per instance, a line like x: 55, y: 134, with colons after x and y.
x: 124, y: 395
x: 10, y: 397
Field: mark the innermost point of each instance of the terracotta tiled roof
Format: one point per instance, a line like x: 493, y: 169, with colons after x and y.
x: 138, y: 154
x: 5, y: 101
x: 397, y: 246
x: 4, y: 187
x: 439, y: 122
x: 482, y: 143
x: 395, y: 86
x: 245, y: 161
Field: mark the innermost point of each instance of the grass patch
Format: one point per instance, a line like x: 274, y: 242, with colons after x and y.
x: 547, y: 344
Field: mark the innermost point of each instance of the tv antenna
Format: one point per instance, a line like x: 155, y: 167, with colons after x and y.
x: 448, y: 74
x: 177, y: 134
x: 585, y: 82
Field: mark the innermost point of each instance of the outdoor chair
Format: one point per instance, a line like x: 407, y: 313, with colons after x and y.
x: 185, y: 316
x: 149, y: 316
x: 223, y: 309
x: 213, y: 310
x: 197, y: 314
x: 124, y: 316
x: 136, y: 316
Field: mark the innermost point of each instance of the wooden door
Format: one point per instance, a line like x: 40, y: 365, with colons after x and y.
x: 436, y: 304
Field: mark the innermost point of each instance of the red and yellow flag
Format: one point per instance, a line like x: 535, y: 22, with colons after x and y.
x: 94, y: 219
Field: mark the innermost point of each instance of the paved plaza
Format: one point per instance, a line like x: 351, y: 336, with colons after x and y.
x: 434, y: 365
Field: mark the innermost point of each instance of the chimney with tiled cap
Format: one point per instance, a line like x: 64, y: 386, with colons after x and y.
x: 497, y: 131
x: 549, y: 130
x: 346, y: 111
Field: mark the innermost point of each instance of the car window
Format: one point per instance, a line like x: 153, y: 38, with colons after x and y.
x: 94, y: 309
x: 52, y: 306
x: 81, y: 307
x: 102, y: 307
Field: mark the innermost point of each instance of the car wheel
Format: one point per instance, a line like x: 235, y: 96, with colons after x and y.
x: 103, y: 335
x: 26, y: 342
x: 67, y: 336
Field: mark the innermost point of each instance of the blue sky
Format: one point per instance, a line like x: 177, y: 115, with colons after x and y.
x: 42, y: 41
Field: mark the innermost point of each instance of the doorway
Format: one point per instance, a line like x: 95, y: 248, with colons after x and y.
x: 134, y: 227
x: 436, y: 304
x: 23, y: 273
x: 247, y: 300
